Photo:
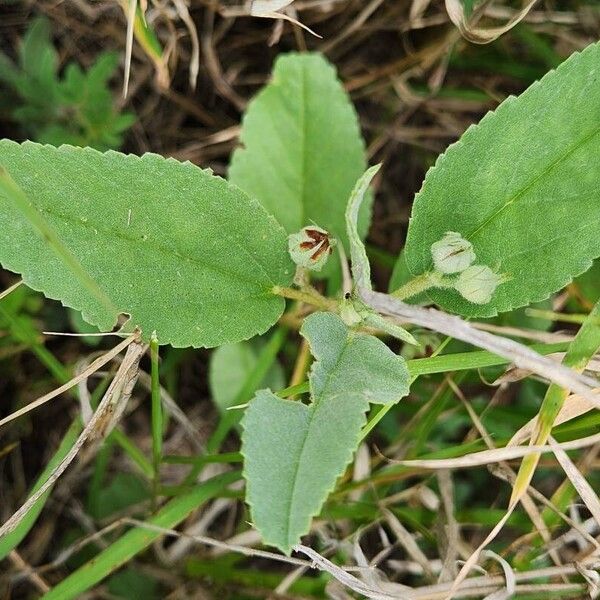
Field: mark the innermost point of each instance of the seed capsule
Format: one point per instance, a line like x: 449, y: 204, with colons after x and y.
x: 452, y: 254
x: 477, y: 284
x: 310, y: 247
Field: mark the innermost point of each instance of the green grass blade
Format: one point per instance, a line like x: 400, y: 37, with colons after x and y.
x: 138, y: 539
x: 461, y: 361
x: 579, y: 353
x: 12, y: 540
x: 157, y: 415
x: 133, y: 452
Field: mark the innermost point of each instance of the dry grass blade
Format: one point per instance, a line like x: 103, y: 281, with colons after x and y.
x: 502, y: 470
x: 12, y: 288
x: 513, y: 375
x: 579, y: 353
x: 93, y: 367
x: 355, y: 25
x: 418, y: 8
x: 455, y: 327
x: 85, y: 398
x: 199, y: 539
x: 132, y: 7
x: 66, y: 553
x: 270, y: 9
x: 368, y: 571
x: 28, y: 572
x: 486, y: 457
x: 472, y: 560
x: 262, y: 7
x: 178, y: 549
x: 184, y: 14
x: 529, y: 334
x: 342, y: 576
x: 480, y: 586
x: 289, y: 580
x: 509, y: 576
x: 581, y: 350
x: 482, y: 35
x: 451, y: 531
x: 408, y: 542
x: 100, y: 425
x: 178, y: 415
x: 584, y: 489
x: 574, y: 406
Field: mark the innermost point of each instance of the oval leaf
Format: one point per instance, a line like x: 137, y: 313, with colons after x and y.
x: 294, y: 453
x: 181, y: 251
x: 302, y: 148
x: 523, y: 187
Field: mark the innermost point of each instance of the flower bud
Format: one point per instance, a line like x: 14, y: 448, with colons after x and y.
x: 452, y: 254
x: 477, y: 284
x: 310, y: 247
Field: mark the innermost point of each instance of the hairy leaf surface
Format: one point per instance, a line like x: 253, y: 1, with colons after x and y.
x: 294, y: 453
x: 180, y: 250
x: 302, y: 148
x: 523, y: 187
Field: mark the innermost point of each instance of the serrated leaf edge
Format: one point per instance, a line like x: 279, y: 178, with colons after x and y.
x: 95, y: 319
x: 438, y: 166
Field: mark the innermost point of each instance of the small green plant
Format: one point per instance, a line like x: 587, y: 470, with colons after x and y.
x: 198, y: 261
x: 75, y: 108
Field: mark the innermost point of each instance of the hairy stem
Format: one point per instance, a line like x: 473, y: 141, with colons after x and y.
x: 420, y: 284
x: 307, y: 295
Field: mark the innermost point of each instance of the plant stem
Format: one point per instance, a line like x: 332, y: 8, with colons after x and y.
x: 301, y: 367
x: 307, y: 295
x: 418, y: 285
x: 157, y: 417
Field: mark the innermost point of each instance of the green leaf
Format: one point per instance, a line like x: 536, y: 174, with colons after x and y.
x: 230, y: 367
x: 294, y: 453
x: 302, y: 149
x: 38, y: 57
x: 361, y: 269
x: 181, y: 251
x: 523, y: 187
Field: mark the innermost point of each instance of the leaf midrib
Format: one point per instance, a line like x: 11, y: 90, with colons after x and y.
x: 192, y: 169
x: 303, y: 145
x: 523, y: 190
x: 312, y: 408
x: 537, y: 178
x: 238, y: 275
